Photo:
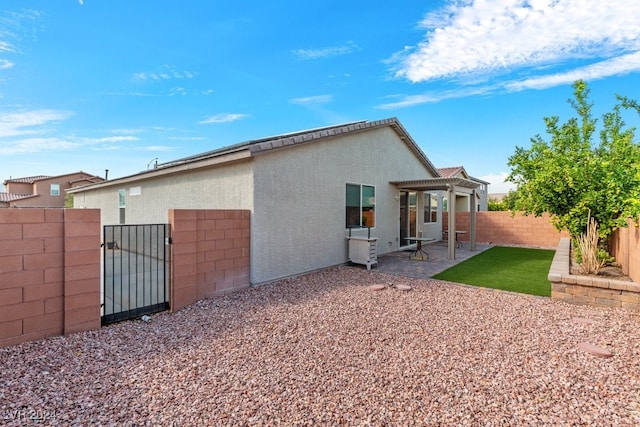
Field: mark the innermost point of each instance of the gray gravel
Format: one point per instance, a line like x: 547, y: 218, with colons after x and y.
x: 323, y: 349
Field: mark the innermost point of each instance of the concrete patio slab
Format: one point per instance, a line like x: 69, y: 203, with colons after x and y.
x: 401, y: 263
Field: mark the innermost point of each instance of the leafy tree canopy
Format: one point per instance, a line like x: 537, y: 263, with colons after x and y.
x: 571, y: 177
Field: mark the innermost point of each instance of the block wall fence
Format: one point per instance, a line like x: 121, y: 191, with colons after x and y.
x: 625, y: 247
x: 500, y: 228
x: 50, y: 266
x: 210, y: 254
x: 49, y: 272
x: 50, y: 261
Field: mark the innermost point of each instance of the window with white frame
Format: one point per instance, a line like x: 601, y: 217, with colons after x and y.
x: 55, y: 190
x: 430, y: 213
x: 361, y: 205
x: 122, y: 203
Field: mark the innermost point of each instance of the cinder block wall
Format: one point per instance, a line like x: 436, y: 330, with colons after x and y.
x: 503, y: 229
x: 625, y: 247
x: 49, y: 273
x: 210, y: 253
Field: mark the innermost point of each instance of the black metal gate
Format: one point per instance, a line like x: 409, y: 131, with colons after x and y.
x: 136, y: 271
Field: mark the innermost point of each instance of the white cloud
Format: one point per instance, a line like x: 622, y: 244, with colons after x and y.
x: 325, y: 52
x: 617, y: 66
x: 162, y: 148
x: 223, y: 118
x: 5, y: 64
x: 313, y: 100
x: 431, y: 98
x: 6, y: 47
x: 166, y: 72
x: 497, y: 182
x: 127, y: 130
x: 29, y: 122
x: 117, y: 139
x: 178, y: 91
x: 36, y: 145
x: 479, y: 37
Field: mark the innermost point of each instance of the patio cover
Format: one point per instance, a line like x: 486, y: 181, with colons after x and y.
x: 452, y: 186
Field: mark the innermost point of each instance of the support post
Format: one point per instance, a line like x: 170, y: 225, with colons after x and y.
x: 451, y: 206
x: 472, y: 222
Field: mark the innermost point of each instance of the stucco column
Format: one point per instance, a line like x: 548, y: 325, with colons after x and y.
x: 472, y: 222
x: 451, y: 194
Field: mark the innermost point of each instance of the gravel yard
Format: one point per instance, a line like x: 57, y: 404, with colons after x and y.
x: 324, y: 349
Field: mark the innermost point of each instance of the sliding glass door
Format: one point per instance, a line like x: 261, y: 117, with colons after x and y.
x: 408, y: 217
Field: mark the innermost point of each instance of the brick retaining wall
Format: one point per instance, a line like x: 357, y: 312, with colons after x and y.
x: 49, y: 272
x: 587, y: 290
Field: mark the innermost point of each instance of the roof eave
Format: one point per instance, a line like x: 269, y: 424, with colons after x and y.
x: 168, y: 169
x: 437, y: 184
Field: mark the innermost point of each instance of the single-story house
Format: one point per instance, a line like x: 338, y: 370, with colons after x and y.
x: 306, y: 191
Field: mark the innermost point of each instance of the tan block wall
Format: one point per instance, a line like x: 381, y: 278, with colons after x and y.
x: 587, y: 290
x: 625, y: 247
x: 49, y: 273
x: 210, y: 253
x: 501, y: 228
x: 623, y: 295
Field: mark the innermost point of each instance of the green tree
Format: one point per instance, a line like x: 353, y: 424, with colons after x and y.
x: 571, y: 177
x: 496, y: 205
x: 507, y: 203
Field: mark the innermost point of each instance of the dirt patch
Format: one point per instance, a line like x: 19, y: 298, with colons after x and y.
x: 609, y: 271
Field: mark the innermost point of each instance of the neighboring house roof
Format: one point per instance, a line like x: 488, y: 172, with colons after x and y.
x: 451, y: 171
x: 258, y: 146
x: 34, y: 179
x: 459, y: 171
x: 11, y: 197
x: 26, y: 180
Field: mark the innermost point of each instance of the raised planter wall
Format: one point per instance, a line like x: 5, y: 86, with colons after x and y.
x: 587, y: 290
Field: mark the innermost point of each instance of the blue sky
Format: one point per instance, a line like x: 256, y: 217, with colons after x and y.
x: 94, y: 84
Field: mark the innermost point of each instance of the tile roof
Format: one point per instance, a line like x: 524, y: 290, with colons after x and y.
x: 26, y: 180
x: 450, y: 171
x: 258, y: 146
x: 289, y: 139
x: 10, y: 197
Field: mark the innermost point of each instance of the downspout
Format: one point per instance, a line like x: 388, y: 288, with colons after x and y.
x: 451, y: 244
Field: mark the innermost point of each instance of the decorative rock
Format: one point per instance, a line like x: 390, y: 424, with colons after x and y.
x: 376, y: 287
x: 403, y: 287
x: 584, y: 321
x: 595, y: 350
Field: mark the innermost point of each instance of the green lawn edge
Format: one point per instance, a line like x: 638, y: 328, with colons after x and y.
x: 522, y: 270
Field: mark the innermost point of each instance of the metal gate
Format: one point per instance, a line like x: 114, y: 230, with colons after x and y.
x: 136, y: 271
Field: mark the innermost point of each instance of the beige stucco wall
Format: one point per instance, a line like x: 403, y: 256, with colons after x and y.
x: 296, y: 197
x: 222, y: 187
x: 300, y: 206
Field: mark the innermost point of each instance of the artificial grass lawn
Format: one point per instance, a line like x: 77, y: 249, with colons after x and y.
x: 520, y: 270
